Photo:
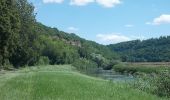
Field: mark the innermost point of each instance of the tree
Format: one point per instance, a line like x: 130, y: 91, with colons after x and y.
x: 9, y: 28
x: 27, y: 49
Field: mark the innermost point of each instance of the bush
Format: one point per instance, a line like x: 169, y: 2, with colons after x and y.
x: 43, y: 60
x: 110, y: 64
x: 123, y: 68
x: 158, y: 84
x: 7, y: 65
x: 84, y: 64
x: 150, y: 79
x: 163, y: 84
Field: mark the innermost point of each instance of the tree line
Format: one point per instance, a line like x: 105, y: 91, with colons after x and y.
x: 150, y: 50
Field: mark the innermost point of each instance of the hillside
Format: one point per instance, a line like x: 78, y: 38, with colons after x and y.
x: 151, y: 50
x: 87, y: 47
x: 26, y: 42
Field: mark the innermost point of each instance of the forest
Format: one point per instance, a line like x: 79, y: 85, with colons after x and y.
x: 150, y: 50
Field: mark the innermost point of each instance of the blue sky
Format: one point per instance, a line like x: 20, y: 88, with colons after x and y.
x: 106, y: 21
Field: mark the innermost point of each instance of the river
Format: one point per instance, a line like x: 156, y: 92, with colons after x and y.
x: 110, y: 75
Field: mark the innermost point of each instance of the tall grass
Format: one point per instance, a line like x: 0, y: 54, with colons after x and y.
x: 62, y: 83
x: 159, y: 84
x: 135, y: 68
x: 151, y: 77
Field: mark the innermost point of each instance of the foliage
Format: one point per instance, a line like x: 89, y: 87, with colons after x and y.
x: 43, y: 60
x: 83, y: 64
x: 151, y: 50
x: 157, y: 84
x: 149, y: 77
x: 23, y: 40
x: 9, y: 28
x: 58, y: 52
x: 163, y: 84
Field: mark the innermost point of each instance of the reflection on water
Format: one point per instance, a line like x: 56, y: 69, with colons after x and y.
x: 109, y: 75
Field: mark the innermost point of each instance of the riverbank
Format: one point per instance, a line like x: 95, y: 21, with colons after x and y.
x: 151, y: 77
x: 145, y: 68
x: 63, y: 83
x: 110, y: 75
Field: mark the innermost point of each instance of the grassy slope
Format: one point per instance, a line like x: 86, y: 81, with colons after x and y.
x: 62, y: 83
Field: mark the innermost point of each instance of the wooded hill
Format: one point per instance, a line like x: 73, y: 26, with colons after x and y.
x: 151, y: 50
x: 26, y: 42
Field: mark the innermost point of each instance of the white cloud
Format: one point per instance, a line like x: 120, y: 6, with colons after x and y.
x: 73, y: 29
x: 129, y: 25
x: 108, y: 3
x: 105, y: 3
x: 53, y: 1
x: 163, y: 19
x: 112, y: 38
x: 80, y: 2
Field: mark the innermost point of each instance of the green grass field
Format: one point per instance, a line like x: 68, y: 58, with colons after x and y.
x: 63, y: 83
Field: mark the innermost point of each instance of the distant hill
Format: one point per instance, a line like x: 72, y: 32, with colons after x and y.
x: 151, y: 50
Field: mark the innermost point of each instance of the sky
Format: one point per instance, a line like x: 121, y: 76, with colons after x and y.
x: 106, y: 21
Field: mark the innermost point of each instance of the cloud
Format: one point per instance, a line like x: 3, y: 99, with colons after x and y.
x: 129, y: 25
x: 80, y: 2
x: 53, y: 1
x: 73, y: 29
x: 105, y: 3
x: 163, y: 19
x: 108, y: 3
x: 111, y: 38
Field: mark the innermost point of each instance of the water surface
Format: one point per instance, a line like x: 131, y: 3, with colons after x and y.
x: 110, y: 75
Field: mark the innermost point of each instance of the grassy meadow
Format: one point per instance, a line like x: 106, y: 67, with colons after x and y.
x: 63, y: 82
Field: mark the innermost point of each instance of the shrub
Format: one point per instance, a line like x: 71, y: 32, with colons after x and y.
x: 123, y: 68
x: 158, y: 84
x: 84, y: 64
x: 163, y: 84
x: 43, y: 60
x: 6, y: 66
